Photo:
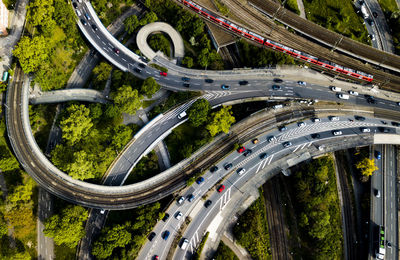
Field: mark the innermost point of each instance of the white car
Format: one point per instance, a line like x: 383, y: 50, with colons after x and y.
x: 241, y: 171
x: 178, y: 215
x: 365, y: 130
x: 302, y: 83
x: 182, y: 115
x: 181, y: 200
x: 316, y: 120
x: 353, y: 93
x: 343, y: 96
x: 301, y: 124
x: 337, y: 132
x: 336, y: 89
x: 334, y: 118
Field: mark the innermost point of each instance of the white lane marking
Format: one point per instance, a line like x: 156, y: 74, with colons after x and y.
x: 297, y: 148
x: 259, y: 166
x: 272, y: 156
x: 123, y: 59
x: 104, y: 43
x: 304, y: 145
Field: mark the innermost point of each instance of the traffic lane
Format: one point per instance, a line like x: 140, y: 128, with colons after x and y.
x: 377, y: 185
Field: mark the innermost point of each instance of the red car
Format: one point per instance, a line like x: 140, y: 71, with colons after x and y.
x: 241, y: 149
x: 116, y: 50
x: 221, y: 188
x: 162, y: 73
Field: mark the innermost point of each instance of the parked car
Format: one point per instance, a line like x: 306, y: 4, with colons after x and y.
x: 315, y: 136
x: 270, y: 139
x: 301, y: 124
x: 278, y: 80
x: 282, y: 128
x: 315, y: 119
x: 353, y: 93
x: 359, y: 118
x: 365, y: 130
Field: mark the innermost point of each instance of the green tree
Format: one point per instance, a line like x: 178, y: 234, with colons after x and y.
x: 67, y: 228
x: 40, y: 11
x: 188, y: 61
x: 203, y: 58
x: 3, y: 86
x: 198, y: 112
x: 77, y: 125
x: 127, y: 100
x: 21, y: 195
x: 149, y: 87
x: 3, y: 226
x: 131, y: 23
x: 102, y: 71
x: 221, y: 121
x: 150, y: 17
x: 31, y: 53
x: 7, y: 159
x: 81, y: 168
x: 122, y: 135
x: 110, y: 239
x: 367, y: 166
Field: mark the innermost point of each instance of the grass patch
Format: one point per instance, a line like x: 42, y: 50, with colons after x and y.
x: 63, y: 252
x: 224, y: 253
x: 292, y: 6
x: 337, y: 16
x: 251, y: 230
x: 388, y: 5
x: 222, y: 8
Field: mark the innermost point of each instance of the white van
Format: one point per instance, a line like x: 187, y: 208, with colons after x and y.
x: 343, y: 96
x: 78, y: 12
x: 182, y: 115
x: 184, y: 244
x: 336, y: 89
x: 278, y: 106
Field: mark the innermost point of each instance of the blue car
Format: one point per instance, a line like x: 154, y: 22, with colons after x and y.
x: 165, y: 235
x: 378, y: 155
x: 225, y: 87
x: 190, y: 198
x: 199, y: 180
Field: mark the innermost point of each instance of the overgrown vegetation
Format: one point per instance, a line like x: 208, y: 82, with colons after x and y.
x: 392, y: 15
x: 292, y: 6
x: 52, y: 45
x: 199, y: 53
x: 337, y: 16
x: 222, y: 8
x: 17, y: 210
x: 251, y: 230
x: 146, y: 168
x: 159, y: 42
x: 224, y: 253
x: 126, y: 232
x: 313, y: 187
x: 253, y: 56
x: 108, y: 11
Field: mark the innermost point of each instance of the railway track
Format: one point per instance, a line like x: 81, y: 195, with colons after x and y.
x: 264, y: 26
x: 276, y: 224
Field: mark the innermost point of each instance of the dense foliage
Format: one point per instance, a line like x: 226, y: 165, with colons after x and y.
x: 67, y: 227
x: 150, y: 87
x: 220, y: 121
x: 54, y: 45
x: 392, y: 14
x: 198, y: 112
x: 366, y: 166
x: 251, y: 230
x: 317, y: 209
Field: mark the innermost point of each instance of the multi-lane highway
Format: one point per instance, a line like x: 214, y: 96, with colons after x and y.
x: 304, y: 143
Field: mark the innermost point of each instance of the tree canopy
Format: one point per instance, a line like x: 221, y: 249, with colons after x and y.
x: 31, y: 53
x: 367, y: 166
x: 102, y: 71
x: 131, y: 23
x: 111, y: 238
x: 198, y: 112
x: 127, y: 100
x: 221, y: 121
x: 77, y: 125
x: 67, y: 228
x: 149, y: 87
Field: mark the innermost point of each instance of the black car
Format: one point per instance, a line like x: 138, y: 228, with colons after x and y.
x: 151, y: 236
x: 83, y: 22
x: 371, y: 100
x: 209, y: 80
x: 276, y: 80
x: 383, y: 129
x: 263, y: 156
x: 186, y: 85
x: 142, y: 65
x: 166, y: 216
x: 208, y: 203
x: 75, y: 5
x: 276, y: 87
x: 395, y: 124
x: 228, y: 166
x: 243, y: 82
x: 94, y: 27
x: 190, y: 197
x: 315, y: 136
x: 214, y: 169
x: 384, y: 122
x: 375, y: 14
x: 137, y: 70
x: 359, y: 118
x: 247, y: 152
x: 287, y: 144
x: 185, y: 79
x: 282, y: 128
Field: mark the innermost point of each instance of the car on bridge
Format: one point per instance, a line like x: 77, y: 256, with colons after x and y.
x: 137, y: 70
x: 225, y: 87
x: 378, y: 155
x: 185, y: 79
x: 227, y: 166
x: 209, y: 80
x: 337, y: 132
x: 214, y: 169
x: 142, y: 65
x: 276, y: 87
x: 247, y: 152
x: 190, y: 197
x: 165, y: 235
x: 243, y: 82
x: 282, y: 128
x: 276, y: 80
x: 302, y: 83
x: 162, y: 73
x: 83, y: 22
x: 199, y: 180
x: 365, y: 130
x: 151, y: 236
x: 116, y: 50
x: 287, y: 144
x: 186, y: 85
x: 208, y: 203
x: 263, y: 156
x: 315, y: 136
x: 221, y: 188
x: 94, y: 27
x: 240, y: 171
x: 181, y: 200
